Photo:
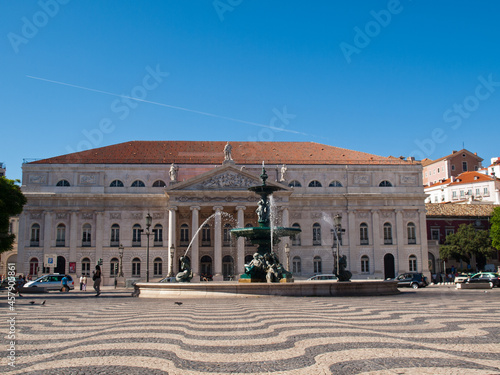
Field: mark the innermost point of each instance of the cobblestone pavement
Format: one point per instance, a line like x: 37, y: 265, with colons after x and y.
x: 436, y: 330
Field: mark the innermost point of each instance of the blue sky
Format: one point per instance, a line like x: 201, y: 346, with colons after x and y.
x: 396, y: 78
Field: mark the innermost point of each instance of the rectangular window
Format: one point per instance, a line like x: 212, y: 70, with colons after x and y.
x: 462, y: 194
x: 485, y: 191
x: 448, y: 231
x: 454, y: 194
x: 413, y: 264
x: 435, y: 234
x: 478, y: 192
x: 464, y: 166
x: 363, y: 235
x: 453, y: 167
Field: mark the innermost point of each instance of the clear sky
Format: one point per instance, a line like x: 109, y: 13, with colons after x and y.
x: 396, y: 78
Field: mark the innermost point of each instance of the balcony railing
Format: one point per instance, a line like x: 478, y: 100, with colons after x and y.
x: 34, y: 243
x: 86, y: 244
x: 114, y: 243
x: 60, y: 243
x: 136, y: 243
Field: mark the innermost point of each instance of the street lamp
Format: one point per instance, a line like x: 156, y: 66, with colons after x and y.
x: 172, y: 251
x: 149, y: 220
x: 287, y: 253
x: 120, y: 253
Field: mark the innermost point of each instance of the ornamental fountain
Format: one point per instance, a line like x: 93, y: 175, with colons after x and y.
x: 265, y: 266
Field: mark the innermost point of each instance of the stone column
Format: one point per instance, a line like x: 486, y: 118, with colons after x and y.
x: 195, y: 246
x: 377, y: 257
x: 171, y: 237
x: 73, y: 236
x: 47, y: 236
x: 351, y: 235
x: 100, y: 229
x: 422, y: 230
x: 218, y: 244
x: 400, y: 238
x: 285, y: 221
x: 240, y: 247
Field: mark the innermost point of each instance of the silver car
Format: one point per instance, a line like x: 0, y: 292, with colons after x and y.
x: 50, y: 282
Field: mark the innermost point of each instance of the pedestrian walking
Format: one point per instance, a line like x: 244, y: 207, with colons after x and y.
x: 97, y: 280
x: 81, y: 282
x: 64, y: 284
x: 84, y: 283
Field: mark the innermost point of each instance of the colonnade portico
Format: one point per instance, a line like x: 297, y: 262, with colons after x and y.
x: 221, y: 215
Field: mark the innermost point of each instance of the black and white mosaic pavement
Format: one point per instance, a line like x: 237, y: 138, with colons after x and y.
x: 428, y: 331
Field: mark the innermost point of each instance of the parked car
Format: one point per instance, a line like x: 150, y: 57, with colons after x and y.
x: 322, y: 277
x: 50, y: 282
x: 412, y: 280
x: 461, y: 278
x: 485, y: 277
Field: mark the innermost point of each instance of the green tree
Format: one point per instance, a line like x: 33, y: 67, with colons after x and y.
x: 12, y: 201
x: 467, y: 244
x: 495, y: 228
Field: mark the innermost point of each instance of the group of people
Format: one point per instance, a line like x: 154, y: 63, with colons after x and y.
x: 96, y: 277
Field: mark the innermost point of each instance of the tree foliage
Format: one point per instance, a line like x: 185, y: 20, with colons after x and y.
x: 467, y: 244
x: 12, y: 201
x: 495, y: 228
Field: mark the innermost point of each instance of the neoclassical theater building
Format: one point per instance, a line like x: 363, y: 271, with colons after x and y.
x: 92, y: 205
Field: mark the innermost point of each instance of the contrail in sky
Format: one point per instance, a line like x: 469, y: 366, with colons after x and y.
x: 170, y: 106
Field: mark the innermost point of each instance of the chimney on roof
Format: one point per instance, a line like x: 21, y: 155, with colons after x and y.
x: 454, y: 151
x: 452, y: 179
x: 475, y: 153
x: 410, y: 158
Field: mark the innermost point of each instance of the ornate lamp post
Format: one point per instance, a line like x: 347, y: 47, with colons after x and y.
x: 287, y: 253
x: 149, y: 220
x: 172, y: 251
x: 120, y: 253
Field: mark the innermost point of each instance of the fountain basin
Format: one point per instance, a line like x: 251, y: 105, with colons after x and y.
x: 259, y: 234
x: 325, y: 288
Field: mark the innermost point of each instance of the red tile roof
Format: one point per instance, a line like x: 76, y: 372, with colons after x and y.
x: 211, y: 152
x: 465, y: 178
x: 462, y: 210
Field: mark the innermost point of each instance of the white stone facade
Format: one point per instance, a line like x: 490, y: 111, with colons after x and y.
x: 382, y: 208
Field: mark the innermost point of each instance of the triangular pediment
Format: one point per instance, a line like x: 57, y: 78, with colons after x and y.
x: 225, y: 178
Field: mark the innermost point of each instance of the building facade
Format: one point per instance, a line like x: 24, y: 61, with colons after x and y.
x: 444, y: 219
x: 449, y: 166
x: 87, y: 206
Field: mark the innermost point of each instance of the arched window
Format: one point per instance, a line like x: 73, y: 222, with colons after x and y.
x: 226, y: 235
x: 116, y: 183
x: 115, y: 236
x: 294, y: 183
x: 296, y: 265
x: 412, y: 263
x: 335, y: 184
x: 86, y: 235
x: 113, y: 267
x: 33, y: 266
x: 296, y: 238
x: 136, y: 267
x: 158, y: 235
x: 316, y: 234
x: 35, y: 235
x: 157, y: 267
x: 159, y: 183
x: 363, y: 234
x: 315, y: 183
x: 365, y: 264
x: 61, y: 235
x: 412, y: 234
x: 228, y: 267
x: 138, y: 183
x: 387, y: 234
x: 205, y: 236
x: 63, y: 183
x: 86, y: 267
x: 136, y: 235
x: 318, y: 266
x: 206, y: 266
x: 385, y: 183
x: 184, y: 240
